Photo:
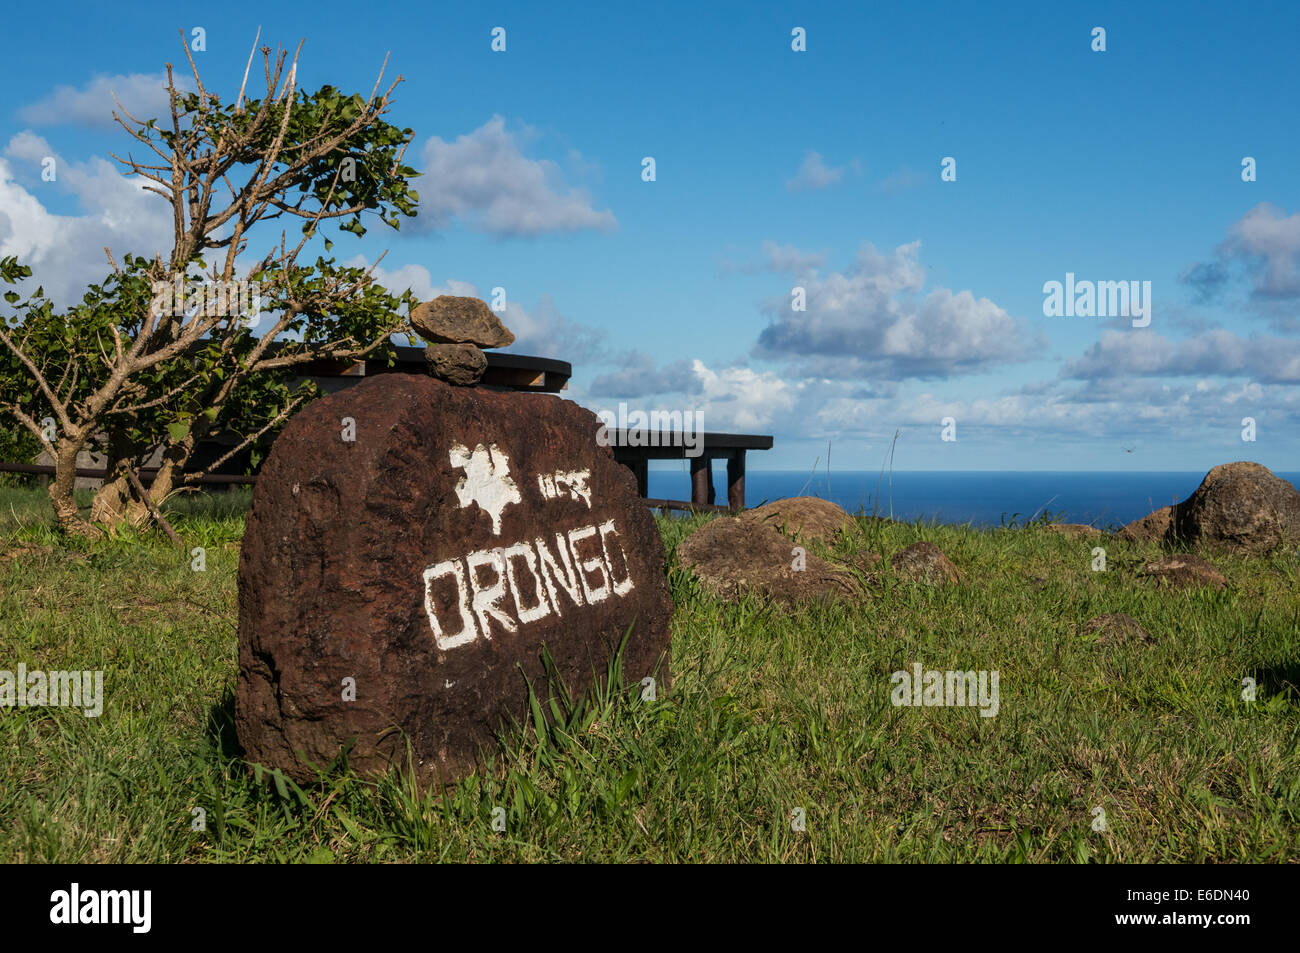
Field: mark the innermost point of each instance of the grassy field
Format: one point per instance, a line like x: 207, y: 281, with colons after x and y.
x: 774, y: 714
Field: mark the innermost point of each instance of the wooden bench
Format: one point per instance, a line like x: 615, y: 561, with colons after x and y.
x: 713, y: 446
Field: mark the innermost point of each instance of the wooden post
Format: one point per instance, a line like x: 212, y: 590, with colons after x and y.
x: 641, y: 467
x: 702, y: 479
x: 736, y: 480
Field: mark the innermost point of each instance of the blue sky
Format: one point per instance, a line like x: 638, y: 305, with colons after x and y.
x: 775, y: 169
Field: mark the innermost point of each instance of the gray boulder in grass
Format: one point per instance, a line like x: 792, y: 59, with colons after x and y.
x: 1240, y: 506
x: 803, y: 517
x: 733, y: 557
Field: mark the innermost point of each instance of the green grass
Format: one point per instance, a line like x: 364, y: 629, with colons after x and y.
x: 771, y: 710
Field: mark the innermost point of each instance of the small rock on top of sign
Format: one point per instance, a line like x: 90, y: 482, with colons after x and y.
x: 452, y: 319
x: 460, y: 364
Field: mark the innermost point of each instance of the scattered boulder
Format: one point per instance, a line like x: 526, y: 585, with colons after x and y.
x: 1114, y: 628
x: 803, y: 518
x: 733, y: 557
x: 1152, y: 528
x: 451, y: 319
x: 459, y: 364
x: 1183, y: 571
x: 925, y: 562
x: 400, y: 586
x: 1240, y: 506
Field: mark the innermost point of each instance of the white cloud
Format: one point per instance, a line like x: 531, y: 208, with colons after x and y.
x: 814, y: 174
x: 1272, y: 242
x: 546, y: 332
x: 639, y: 374
x: 143, y: 95
x: 742, y: 400
x: 1218, y: 353
x: 1141, y: 412
x: 732, y: 399
x: 66, y: 252
x: 905, y: 178
x: 415, y: 277
x: 789, y: 259
x: 870, y: 320
x: 785, y: 259
x: 484, y: 180
x: 1264, y: 244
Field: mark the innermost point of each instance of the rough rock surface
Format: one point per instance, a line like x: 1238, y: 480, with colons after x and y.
x: 1240, y: 506
x: 424, y: 565
x: 925, y: 562
x: 1113, y: 628
x: 803, y: 518
x: 1154, y: 527
x: 1184, y: 571
x: 459, y: 364
x: 450, y: 319
x: 732, y: 557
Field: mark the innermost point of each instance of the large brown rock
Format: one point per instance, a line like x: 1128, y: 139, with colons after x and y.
x: 803, y: 518
x: 1240, y: 506
x: 733, y: 557
x: 450, y: 319
x: 430, y: 560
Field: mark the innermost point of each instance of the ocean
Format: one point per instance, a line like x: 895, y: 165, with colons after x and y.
x: 981, y: 497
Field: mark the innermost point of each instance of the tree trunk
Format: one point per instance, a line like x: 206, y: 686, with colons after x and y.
x: 61, y: 487
x: 113, y: 504
x: 173, y: 465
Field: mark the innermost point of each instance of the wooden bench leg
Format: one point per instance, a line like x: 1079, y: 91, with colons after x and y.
x: 736, y: 480
x: 702, y: 479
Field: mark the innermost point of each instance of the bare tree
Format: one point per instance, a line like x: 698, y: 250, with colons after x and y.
x: 140, y: 371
